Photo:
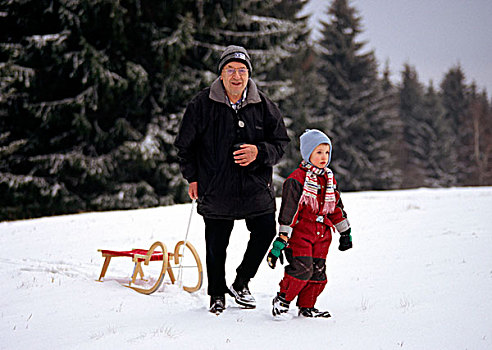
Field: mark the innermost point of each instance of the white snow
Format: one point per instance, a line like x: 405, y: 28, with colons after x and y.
x: 419, y: 277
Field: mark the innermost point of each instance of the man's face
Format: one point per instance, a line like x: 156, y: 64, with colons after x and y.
x: 235, y: 78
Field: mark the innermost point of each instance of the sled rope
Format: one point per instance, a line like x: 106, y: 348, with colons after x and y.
x: 180, y: 267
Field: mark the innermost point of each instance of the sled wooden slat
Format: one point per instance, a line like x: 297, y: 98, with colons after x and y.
x: 146, y: 256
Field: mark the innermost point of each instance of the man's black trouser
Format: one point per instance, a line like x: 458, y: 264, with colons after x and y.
x: 217, y: 233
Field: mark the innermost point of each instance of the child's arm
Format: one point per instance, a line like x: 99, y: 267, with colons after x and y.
x: 339, y: 216
x: 291, y: 194
x: 289, y: 208
x: 339, y: 219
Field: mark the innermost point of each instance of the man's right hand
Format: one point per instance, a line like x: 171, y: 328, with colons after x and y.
x: 193, y: 190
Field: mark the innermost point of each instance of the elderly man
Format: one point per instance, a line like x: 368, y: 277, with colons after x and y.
x: 230, y: 138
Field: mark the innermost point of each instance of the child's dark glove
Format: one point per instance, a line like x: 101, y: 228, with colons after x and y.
x: 276, y: 252
x: 345, y: 240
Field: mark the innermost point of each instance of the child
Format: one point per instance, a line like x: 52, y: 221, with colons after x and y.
x: 311, y: 207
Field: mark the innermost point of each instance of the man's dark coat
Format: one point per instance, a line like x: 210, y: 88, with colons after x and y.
x: 209, y: 130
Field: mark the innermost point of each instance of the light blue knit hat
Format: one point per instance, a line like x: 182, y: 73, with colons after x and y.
x: 311, y: 139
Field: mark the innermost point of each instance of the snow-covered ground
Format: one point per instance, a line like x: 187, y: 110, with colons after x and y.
x: 419, y: 277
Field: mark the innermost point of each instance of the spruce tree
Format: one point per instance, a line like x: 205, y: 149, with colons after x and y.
x: 301, y: 109
x: 355, y: 108
x: 277, y: 41
x: 301, y: 101
x: 262, y: 27
x: 417, y: 131
x: 93, y: 93
x: 87, y: 110
x: 392, y: 135
x: 453, y: 95
x: 478, y: 140
x: 439, y: 149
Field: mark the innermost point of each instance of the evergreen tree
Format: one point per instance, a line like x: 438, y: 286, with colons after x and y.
x: 453, y: 95
x: 267, y: 29
x: 93, y: 92
x: 439, y: 148
x: 277, y: 41
x: 355, y: 110
x: 478, y: 142
x: 87, y: 111
x: 301, y: 100
x: 392, y: 134
x: 301, y: 108
x: 417, y: 131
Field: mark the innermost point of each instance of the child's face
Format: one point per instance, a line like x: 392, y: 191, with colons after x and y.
x: 321, y: 154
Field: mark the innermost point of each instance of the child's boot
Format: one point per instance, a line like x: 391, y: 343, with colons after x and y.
x: 280, y: 305
x: 313, y: 312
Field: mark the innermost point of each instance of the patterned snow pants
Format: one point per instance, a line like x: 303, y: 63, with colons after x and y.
x: 305, y: 276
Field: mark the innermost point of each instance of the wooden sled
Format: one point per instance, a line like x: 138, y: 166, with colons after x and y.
x: 146, y: 256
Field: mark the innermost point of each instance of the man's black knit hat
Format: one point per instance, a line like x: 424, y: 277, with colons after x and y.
x: 236, y: 54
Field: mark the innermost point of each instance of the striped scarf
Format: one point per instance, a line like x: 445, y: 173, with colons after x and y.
x: 310, y: 191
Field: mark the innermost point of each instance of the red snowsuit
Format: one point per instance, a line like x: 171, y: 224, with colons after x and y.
x: 310, y: 238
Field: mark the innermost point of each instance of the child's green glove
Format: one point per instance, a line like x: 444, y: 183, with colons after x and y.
x: 345, y: 240
x: 276, y: 252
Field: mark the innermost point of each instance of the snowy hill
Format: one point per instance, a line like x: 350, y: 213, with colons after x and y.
x: 419, y: 277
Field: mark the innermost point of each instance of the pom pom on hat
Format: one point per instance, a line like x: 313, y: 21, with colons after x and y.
x: 310, y: 139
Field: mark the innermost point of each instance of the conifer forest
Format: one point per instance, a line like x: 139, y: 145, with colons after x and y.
x: 92, y: 93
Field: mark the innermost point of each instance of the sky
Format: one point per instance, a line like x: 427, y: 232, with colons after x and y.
x: 431, y: 35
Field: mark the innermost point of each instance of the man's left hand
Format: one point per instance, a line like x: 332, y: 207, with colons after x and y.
x: 246, y: 155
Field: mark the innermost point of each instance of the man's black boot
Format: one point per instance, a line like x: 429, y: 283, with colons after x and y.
x: 240, y: 292
x: 217, y: 304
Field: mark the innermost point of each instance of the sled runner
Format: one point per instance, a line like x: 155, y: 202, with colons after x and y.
x: 138, y: 256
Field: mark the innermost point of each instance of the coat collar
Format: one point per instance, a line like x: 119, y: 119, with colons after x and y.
x: 218, y: 94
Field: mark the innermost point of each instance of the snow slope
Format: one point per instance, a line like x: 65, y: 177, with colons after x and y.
x: 419, y: 277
